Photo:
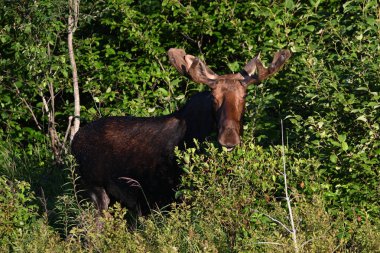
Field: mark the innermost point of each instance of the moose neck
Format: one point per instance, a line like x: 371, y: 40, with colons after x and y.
x: 199, y: 117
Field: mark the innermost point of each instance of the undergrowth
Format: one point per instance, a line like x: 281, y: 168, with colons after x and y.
x: 229, y: 202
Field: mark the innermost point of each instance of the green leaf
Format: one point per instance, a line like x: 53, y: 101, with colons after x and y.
x: 333, y: 158
x: 180, y: 97
x: 289, y: 4
x: 164, y: 92
x: 335, y: 143
x: 362, y: 118
x: 342, y: 137
x: 344, y: 146
x: 64, y: 73
x: 310, y: 28
x: 186, y: 158
x: 234, y: 66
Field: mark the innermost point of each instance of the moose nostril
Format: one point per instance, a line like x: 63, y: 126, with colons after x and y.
x: 229, y: 142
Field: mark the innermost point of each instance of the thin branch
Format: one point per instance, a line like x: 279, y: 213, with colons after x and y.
x: 164, y: 70
x: 277, y: 221
x: 293, y: 232
x: 28, y: 107
x: 45, y: 103
x: 44, y: 204
x: 52, y: 101
x: 55, y: 143
x: 67, y: 130
x: 271, y: 243
x: 189, y: 38
x: 308, y: 241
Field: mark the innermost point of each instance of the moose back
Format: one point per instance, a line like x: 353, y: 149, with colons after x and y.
x: 131, y: 159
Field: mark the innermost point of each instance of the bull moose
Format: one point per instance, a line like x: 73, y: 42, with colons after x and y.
x: 131, y: 159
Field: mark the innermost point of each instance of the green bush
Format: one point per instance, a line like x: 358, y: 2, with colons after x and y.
x: 229, y: 203
x: 22, y: 228
x: 242, y: 192
x: 18, y: 211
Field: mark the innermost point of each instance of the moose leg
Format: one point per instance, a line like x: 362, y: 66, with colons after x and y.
x: 128, y: 194
x: 100, y: 198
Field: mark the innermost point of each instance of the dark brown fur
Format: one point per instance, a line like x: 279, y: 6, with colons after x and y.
x: 131, y: 160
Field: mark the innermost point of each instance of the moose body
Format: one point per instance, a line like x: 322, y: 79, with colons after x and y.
x: 131, y: 159
x: 113, y: 150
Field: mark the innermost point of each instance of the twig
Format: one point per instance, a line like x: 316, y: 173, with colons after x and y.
x: 55, y: 143
x: 189, y: 38
x: 28, y: 106
x: 308, y: 241
x: 278, y: 222
x: 272, y: 243
x: 293, y: 232
x: 164, y: 70
x: 44, y: 204
x: 67, y: 130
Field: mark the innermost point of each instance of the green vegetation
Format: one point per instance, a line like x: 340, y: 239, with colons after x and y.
x: 327, y: 95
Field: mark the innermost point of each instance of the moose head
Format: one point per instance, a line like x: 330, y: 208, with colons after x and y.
x: 228, y: 90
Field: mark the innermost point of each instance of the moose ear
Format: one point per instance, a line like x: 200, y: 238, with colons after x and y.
x: 255, y: 65
x: 192, y: 66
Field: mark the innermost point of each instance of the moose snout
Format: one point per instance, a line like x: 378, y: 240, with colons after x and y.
x: 229, y: 138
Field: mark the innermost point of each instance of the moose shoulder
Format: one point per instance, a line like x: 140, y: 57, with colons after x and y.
x: 131, y: 160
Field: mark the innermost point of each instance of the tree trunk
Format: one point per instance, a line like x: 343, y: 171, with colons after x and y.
x: 72, y: 23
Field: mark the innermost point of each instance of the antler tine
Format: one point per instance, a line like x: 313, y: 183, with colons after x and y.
x: 192, y: 67
x: 279, y: 60
x: 251, y: 66
x: 177, y: 59
x: 256, y: 72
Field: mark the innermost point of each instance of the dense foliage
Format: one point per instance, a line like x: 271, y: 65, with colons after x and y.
x: 327, y: 95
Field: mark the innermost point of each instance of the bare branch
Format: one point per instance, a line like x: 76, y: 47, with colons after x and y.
x: 46, y: 106
x: 44, y: 204
x: 67, y: 130
x: 294, y: 234
x: 277, y: 221
x: 271, y: 243
x: 28, y: 106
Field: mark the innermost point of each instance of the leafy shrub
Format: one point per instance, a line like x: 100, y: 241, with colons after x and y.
x: 242, y: 193
x: 17, y: 209
x: 16, y: 205
x: 229, y: 201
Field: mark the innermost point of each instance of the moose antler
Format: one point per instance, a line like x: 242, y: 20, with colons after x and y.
x: 191, y: 66
x: 251, y: 66
x: 253, y: 72
x: 255, y: 65
x: 177, y: 59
